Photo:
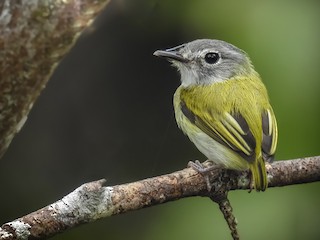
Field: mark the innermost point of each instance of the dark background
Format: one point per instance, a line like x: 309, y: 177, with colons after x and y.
x: 107, y: 113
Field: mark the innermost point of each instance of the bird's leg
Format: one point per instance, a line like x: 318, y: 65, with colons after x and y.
x: 251, y: 183
x: 205, y: 171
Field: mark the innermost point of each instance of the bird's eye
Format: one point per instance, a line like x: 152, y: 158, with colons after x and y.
x: 211, y: 57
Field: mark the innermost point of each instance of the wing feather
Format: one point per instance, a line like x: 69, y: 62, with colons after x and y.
x: 232, y: 131
x: 270, y: 135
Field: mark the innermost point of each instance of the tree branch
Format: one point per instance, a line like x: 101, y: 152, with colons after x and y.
x: 34, y: 36
x: 93, y: 200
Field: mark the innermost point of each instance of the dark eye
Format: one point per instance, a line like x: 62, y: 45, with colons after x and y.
x: 211, y: 57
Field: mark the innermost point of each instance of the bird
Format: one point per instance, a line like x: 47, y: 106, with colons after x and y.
x: 223, y: 107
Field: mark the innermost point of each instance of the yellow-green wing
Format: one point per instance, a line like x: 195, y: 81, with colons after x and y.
x: 270, y: 135
x: 231, y: 131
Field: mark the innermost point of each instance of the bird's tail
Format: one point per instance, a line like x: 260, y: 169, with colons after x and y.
x: 259, y: 174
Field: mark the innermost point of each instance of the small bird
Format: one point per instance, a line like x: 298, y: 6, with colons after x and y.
x: 223, y: 106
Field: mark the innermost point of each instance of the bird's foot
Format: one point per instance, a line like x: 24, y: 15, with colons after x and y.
x: 204, y: 170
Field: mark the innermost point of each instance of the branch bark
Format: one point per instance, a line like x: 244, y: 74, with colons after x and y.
x: 34, y: 36
x: 93, y: 200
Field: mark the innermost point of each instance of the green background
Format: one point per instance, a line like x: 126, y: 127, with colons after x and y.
x: 107, y: 113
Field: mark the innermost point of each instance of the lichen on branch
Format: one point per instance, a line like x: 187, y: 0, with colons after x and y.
x: 94, y: 200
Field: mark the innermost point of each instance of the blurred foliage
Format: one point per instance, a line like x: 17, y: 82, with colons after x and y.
x: 107, y: 112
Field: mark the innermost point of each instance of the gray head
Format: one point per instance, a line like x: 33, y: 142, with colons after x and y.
x: 206, y: 61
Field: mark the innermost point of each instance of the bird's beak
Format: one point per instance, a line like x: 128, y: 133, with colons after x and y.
x: 171, y: 54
